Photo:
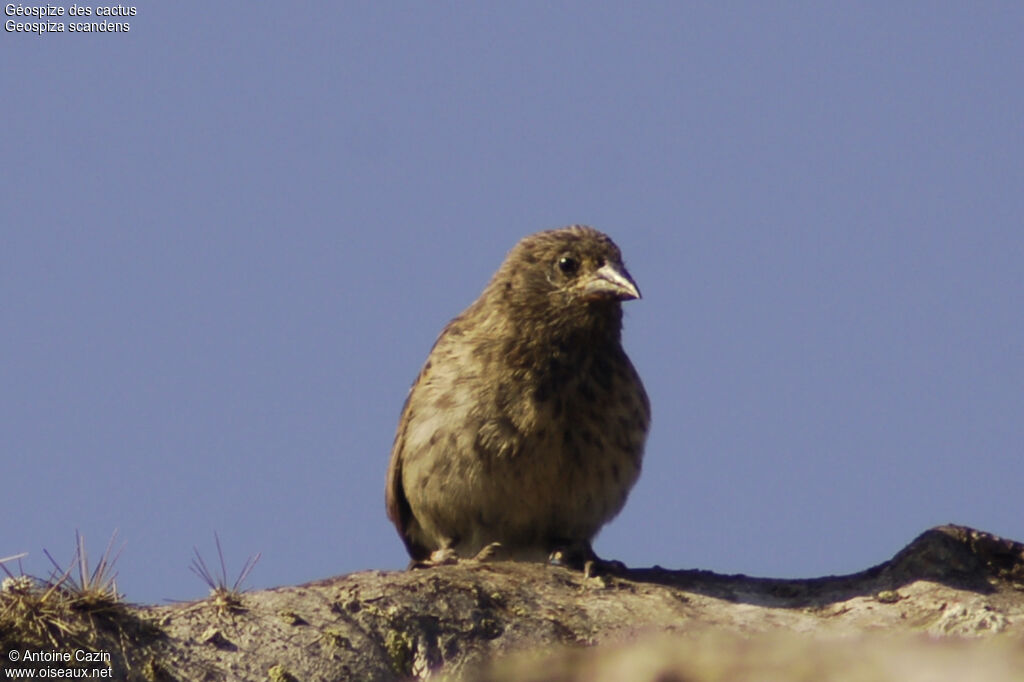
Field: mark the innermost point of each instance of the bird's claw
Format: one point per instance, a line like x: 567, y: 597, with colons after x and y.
x: 598, y: 567
x: 488, y: 553
x: 446, y: 556
x: 583, y: 558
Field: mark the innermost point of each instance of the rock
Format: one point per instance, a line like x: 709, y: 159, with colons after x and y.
x: 952, y: 599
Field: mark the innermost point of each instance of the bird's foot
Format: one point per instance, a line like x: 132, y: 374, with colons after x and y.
x: 446, y: 556
x: 598, y: 567
x: 443, y: 557
x: 581, y: 557
x: 488, y: 553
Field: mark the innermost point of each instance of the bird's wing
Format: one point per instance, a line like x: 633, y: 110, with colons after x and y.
x: 396, y: 502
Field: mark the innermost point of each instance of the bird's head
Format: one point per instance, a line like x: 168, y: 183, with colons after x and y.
x: 573, y: 276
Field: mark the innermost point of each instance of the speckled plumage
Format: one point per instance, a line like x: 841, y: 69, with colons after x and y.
x: 526, y: 425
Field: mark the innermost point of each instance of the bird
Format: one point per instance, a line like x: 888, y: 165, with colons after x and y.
x: 524, y: 432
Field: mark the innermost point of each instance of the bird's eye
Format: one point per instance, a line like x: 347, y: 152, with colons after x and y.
x: 568, y: 264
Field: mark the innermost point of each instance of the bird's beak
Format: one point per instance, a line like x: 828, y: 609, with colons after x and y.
x: 610, y: 282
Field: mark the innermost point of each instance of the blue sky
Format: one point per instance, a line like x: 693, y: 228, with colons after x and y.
x: 231, y: 235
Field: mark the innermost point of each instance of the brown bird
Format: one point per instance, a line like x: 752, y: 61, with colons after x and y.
x: 525, y: 429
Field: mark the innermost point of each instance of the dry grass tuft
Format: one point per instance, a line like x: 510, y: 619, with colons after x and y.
x: 33, y: 613
x: 89, y: 591
x: 226, y: 598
